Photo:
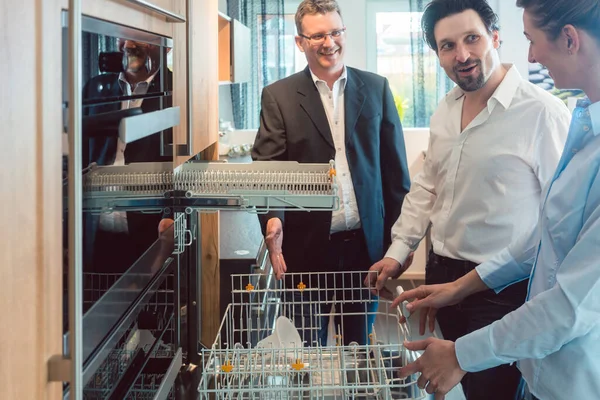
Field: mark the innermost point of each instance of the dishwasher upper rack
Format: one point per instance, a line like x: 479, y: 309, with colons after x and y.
x: 259, y: 187
x: 235, y: 368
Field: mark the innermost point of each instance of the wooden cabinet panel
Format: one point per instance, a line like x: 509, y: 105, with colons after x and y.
x: 224, y: 49
x: 180, y: 80
x: 234, y: 51
x: 30, y: 177
x: 205, y: 80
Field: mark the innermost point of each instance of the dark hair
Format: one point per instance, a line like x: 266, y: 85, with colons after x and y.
x: 440, y: 9
x: 314, y: 7
x: 552, y: 15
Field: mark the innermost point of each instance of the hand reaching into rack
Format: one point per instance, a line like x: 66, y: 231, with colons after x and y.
x: 439, y: 367
x: 429, y: 298
x: 383, y: 270
x: 274, y: 241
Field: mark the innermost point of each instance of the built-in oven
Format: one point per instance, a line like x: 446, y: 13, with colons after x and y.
x: 130, y: 273
x: 131, y: 220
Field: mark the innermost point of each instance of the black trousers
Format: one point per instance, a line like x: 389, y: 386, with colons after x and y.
x: 475, y: 312
x: 355, y: 306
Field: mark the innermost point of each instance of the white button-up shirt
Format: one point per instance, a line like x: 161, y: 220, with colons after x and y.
x: 139, y: 88
x: 481, y: 188
x: 346, y: 217
x: 117, y: 220
x: 556, y: 333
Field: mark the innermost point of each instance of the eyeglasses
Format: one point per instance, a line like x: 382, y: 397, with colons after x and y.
x: 320, y: 37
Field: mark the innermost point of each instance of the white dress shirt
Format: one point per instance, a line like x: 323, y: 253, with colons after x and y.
x: 556, y: 333
x: 481, y: 188
x: 117, y: 220
x: 346, y: 217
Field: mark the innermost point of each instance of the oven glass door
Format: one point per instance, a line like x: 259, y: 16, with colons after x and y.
x: 129, y: 272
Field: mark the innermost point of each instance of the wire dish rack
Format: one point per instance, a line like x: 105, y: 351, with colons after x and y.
x: 260, y: 186
x: 136, y: 340
x: 240, y: 366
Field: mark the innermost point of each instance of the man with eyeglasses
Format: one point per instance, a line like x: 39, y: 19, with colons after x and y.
x: 331, y: 111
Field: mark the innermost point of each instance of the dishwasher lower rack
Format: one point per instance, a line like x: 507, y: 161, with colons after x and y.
x: 235, y: 368
x: 151, y: 335
x: 257, y: 187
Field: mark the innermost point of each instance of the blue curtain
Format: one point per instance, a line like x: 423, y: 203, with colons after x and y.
x: 265, y: 19
x: 424, y: 99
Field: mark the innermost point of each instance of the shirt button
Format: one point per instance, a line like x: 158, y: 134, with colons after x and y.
x: 586, y: 128
x: 339, y: 149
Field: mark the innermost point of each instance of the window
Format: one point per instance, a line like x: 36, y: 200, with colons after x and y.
x: 538, y: 75
x: 280, y: 33
x: 400, y: 54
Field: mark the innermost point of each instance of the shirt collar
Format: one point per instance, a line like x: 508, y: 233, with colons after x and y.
x: 123, y: 78
x: 594, y: 110
x: 342, y: 79
x: 503, y: 94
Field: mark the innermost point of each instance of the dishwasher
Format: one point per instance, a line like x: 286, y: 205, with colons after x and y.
x: 239, y: 365
x: 141, y: 327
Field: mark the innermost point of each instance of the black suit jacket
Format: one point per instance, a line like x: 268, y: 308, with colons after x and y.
x: 102, y: 150
x: 294, y: 127
x: 143, y: 228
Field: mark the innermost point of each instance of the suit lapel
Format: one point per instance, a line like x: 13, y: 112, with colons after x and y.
x: 310, y: 101
x: 354, y: 99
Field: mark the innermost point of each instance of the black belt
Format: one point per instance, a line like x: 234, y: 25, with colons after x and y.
x: 462, y: 265
x: 346, y: 236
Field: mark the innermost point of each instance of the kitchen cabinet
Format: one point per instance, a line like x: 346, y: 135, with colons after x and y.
x: 31, y: 248
x: 234, y: 51
x: 204, y: 78
x: 30, y: 161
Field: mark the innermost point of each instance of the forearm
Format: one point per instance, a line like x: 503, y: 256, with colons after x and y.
x: 414, y: 220
x: 469, y: 284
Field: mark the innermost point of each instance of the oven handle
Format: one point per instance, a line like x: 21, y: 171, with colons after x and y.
x: 171, y: 17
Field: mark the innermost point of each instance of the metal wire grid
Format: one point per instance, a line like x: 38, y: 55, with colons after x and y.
x: 146, y: 386
x: 217, y: 180
x: 115, y: 365
x: 236, y: 369
x: 183, y: 236
x: 231, y: 182
x: 141, y: 183
x: 95, y: 284
x: 106, y: 377
x: 112, y: 369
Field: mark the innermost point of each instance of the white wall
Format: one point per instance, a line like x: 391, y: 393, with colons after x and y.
x: 514, y: 47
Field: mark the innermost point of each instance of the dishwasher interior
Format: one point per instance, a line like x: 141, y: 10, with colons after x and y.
x: 141, y: 327
x: 268, y: 345
x: 131, y: 225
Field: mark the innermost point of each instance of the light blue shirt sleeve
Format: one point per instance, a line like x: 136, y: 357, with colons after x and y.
x: 553, y: 318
